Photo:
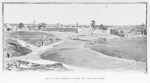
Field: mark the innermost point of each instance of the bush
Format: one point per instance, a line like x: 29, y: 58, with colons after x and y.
x: 22, y: 50
x: 101, y: 41
x: 103, y: 27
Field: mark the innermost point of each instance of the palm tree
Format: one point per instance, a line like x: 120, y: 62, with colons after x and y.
x: 92, y: 26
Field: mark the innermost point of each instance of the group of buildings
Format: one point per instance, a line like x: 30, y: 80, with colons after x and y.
x: 116, y: 30
x: 43, y: 27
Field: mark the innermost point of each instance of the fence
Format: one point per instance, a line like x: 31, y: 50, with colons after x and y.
x: 61, y: 29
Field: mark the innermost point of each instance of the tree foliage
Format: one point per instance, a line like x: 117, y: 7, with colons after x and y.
x: 21, y: 25
x: 103, y: 27
x: 42, y: 25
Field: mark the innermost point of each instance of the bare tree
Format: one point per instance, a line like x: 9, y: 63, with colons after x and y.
x: 44, y: 38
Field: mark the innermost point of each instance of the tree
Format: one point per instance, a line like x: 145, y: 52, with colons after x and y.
x: 44, y: 38
x: 21, y: 25
x: 42, y: 25
x: 101, y: 26
x: 92, y: 26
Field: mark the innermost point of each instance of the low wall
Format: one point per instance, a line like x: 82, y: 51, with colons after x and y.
x: 61, y: 29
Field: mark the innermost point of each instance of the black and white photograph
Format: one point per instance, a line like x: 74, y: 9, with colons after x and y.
x: 74, y: 37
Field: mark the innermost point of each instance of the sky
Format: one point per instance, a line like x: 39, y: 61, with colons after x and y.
x: 107, y: 14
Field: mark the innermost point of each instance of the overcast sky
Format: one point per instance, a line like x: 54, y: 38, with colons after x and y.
x: 107, y: 14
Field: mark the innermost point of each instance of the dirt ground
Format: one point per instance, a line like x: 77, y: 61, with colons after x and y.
x: 73, y: 52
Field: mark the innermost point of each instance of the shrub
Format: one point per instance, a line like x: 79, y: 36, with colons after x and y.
x: 100, y: 41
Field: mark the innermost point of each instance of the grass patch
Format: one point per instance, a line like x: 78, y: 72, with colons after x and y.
x: 129, y: 49
x: 22, y: 51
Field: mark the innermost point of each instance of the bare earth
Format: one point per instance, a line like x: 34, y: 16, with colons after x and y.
x: 75, y: 57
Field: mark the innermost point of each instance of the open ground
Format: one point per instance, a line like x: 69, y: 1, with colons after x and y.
x: 78, y: 51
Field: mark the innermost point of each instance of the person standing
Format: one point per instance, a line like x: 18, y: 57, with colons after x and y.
x: 8, y: 55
